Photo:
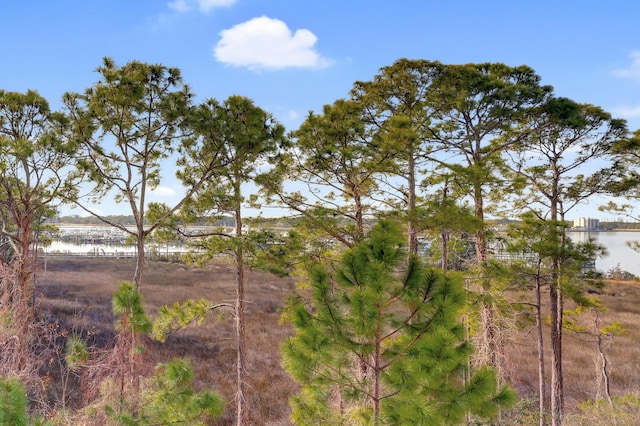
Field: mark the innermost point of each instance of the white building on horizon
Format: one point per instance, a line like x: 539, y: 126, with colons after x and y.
x: 586, y: 223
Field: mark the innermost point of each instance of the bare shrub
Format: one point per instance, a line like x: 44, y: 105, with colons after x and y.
x: 16, y: 325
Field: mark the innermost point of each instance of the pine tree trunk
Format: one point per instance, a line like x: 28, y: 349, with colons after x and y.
x: 411, y: 205
x: 556, y: 363
x: 377, y: 371
x: 557, y: 389
x: 137, y: 275
x: 542, y: 393
x: 490, y: 338
x: 444, y: 259
x: 556, y: 307
x: 25, y: 313
x: 242, y: 415
x: 481, y: 234
x: 359, y: 215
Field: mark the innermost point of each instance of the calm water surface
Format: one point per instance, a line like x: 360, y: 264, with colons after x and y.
x: 616, y: 244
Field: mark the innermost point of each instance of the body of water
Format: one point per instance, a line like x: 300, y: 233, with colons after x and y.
x: 615, y: 242
x: 104, y: 249
x: 618, y: 250
x: 103, y: 240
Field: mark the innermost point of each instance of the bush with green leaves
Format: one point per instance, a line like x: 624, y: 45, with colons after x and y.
x: 380, y: 341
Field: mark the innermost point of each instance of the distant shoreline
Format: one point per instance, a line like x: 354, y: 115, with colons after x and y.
x: 605, y: 230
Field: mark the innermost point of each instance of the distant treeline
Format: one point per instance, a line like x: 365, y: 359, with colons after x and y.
x: 91, y: 220
x: 613, y: 226
x: 129, y: 220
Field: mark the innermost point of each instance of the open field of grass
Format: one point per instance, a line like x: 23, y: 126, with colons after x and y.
x: 75, y: 293
x: 581, y: 361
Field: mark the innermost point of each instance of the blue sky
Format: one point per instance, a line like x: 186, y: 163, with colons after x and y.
x: 292, y: 56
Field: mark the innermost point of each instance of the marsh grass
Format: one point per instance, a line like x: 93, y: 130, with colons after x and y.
x: 580, y: 362
x: 75, y: 293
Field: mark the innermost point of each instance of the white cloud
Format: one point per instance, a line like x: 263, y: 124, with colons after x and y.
x: 293, y: 115
x: 266, y: 43
x: 633, y: 71
x: 182, y: 6
x: 163, y: 191
x: 208, y: 5
x: 627, y: 111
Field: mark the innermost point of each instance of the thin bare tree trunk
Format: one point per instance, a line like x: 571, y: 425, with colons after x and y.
x: 556, y: 307
x: 137, y: 275
x: 359, y: 214
x: 444, y: 260
x: 411, y: 206
x: 377, y: 372
x: 557, y: 394
x: 542, y: 392
x: 25, y: 314
x: 490, y: 336
x: 444, y: 233
x: 604, y: 361
x: 242, y: 415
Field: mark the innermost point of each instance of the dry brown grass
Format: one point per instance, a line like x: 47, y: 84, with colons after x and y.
x: 77, y: 293
x: 580, y: 351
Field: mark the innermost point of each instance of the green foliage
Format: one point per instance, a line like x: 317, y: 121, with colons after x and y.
x: 613, y: 329
x: 143, y: 107
x: 274, y: 252
x: 339, y: 159
x: 76, y: 353
x: 547, y: 251
x: 385, y: 347
x: 235, y: 138
x: 476, y: 108
x: 127, y: 305
x: 13, y: 403
x: 33, y: 163
x: 179, y: 315
x: 126, y: 128
x: 617, y: 273
x: 169, y: 398
x: 595, y: 308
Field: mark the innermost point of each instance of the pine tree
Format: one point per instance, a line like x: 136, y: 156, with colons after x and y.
x: 239, y: 140
x: 33, y: 163
x: 169, y: 398
x: 13, y: 403
x: 558, y: 160
x: 401, y: 322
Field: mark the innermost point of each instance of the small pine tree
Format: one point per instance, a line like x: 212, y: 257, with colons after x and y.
x: 13, y: 403
x: 380, y: 342
x: 169, y: 398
